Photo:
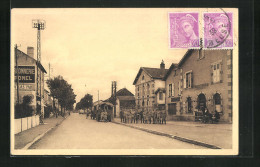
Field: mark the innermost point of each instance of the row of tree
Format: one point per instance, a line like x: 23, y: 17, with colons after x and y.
x: 61, y: 90
x: 85, y: 102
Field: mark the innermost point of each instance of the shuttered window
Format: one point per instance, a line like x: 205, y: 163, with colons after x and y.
x: 188, y: 80
x: 216, y: 72
x: 170, y: 90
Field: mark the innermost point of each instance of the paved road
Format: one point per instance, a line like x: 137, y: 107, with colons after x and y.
x: 77, y: 132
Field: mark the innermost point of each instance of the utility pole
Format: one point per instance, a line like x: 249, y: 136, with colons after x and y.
x: 17, y: 72
x: 114, y: 96
x: 40, y: 25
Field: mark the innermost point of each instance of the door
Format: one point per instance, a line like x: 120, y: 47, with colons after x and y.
x: 172, y: 109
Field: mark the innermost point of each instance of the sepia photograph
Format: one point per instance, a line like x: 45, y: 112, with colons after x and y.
x: 124, y: 81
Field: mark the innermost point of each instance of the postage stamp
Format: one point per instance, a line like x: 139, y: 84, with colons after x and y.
x: 218, y: 30
x: 184, y: 30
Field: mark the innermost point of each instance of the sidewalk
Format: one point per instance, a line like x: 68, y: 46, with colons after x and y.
x: 27, y: 136
x: 209, y: 135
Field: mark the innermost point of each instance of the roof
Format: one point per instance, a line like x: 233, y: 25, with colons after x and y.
x: 124, y: 92
x: 169, y: 71
x: 154, y: 73
x: 187, y: 54
x: 37, y: 63
x: 126, y: 98
x: 183, y: 59
x: 123, y: 95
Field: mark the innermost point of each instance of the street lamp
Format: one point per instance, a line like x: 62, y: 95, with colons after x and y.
x: 40, y: 25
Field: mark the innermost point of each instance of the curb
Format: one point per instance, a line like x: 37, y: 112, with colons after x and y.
x: 40, y: 136
x: 191, y: 141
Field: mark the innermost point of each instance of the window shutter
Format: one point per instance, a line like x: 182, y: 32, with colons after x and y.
x: 211, y: 73
x: 184, y: 81
x: 221, y: 71
x: 221, y: 104
x: 185, y: 107
x: 191, y: 77
x: 173, y: 90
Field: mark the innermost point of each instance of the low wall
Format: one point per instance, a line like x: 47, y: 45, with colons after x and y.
x: 22, y: 124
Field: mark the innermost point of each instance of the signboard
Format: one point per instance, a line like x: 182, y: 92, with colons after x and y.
x: 175, y: 99
x: 26, y: 87
x: 26, y: 74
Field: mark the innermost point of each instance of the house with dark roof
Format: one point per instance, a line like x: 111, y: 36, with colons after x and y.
x: 201, y: 80
x: 150, y: 87
x: 27, y: 76
x: 124, y: 100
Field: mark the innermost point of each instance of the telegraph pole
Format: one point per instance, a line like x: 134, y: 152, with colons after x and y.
x: 114, y: 96
x: 40, y: 25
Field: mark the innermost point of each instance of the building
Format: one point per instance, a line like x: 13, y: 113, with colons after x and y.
x: 124, y: 100
x: 173, y: 88
x: 27, y: 75
x: 150, y: 87
x: 202, y: 79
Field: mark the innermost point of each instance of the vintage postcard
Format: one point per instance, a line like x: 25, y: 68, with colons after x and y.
x: 124, y: 81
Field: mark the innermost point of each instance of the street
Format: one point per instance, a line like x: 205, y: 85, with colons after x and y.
x: 77, y: 132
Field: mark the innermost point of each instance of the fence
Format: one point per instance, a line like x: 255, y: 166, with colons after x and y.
x: 22, y: 124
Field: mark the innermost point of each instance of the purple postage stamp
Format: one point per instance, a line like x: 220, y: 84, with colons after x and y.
x: 184, y: 30
x: 218, y: 30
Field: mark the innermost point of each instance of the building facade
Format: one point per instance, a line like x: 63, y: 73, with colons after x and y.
x: 27, y: 77
x: 124, y: 100
x: 150, y: 87
x: 202, y: 79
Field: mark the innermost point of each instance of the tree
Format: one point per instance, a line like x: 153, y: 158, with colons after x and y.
x: 85, y: 102
x: 61, y: 90
x: 24, y: 109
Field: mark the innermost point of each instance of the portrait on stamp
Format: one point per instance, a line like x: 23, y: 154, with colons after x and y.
x: 218, y: 31
x: 184, y: 30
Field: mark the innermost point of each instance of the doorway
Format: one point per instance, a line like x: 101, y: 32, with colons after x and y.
x: 202, y: 102
x: 172, y: 109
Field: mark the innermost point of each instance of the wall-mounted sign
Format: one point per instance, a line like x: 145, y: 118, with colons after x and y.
x: 26, y: 74
x: 26, y: 87
x: 174, y: 99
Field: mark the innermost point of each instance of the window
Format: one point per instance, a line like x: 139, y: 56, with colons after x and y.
x: 143, y: 77
x: 170, y: 90
x: 188, y: 79
x: 216, y: 72
x: 147, y: 100
x: 189, y: 103
x: 201, y: 54
x: 160, y: 95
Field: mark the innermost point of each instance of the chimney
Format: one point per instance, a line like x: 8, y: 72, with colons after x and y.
x: 30, y: 51
x: 162, y: 65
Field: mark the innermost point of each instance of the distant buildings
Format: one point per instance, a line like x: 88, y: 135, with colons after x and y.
x: 124, y: 100
x: 150, y: 87
x: 202, y: 79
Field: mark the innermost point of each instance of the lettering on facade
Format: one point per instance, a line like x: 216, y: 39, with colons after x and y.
x: 26, y: 74
x: 25, y: 87
x: 201, y: 86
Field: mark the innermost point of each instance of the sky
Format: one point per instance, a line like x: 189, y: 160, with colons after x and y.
x: 91, y: 48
